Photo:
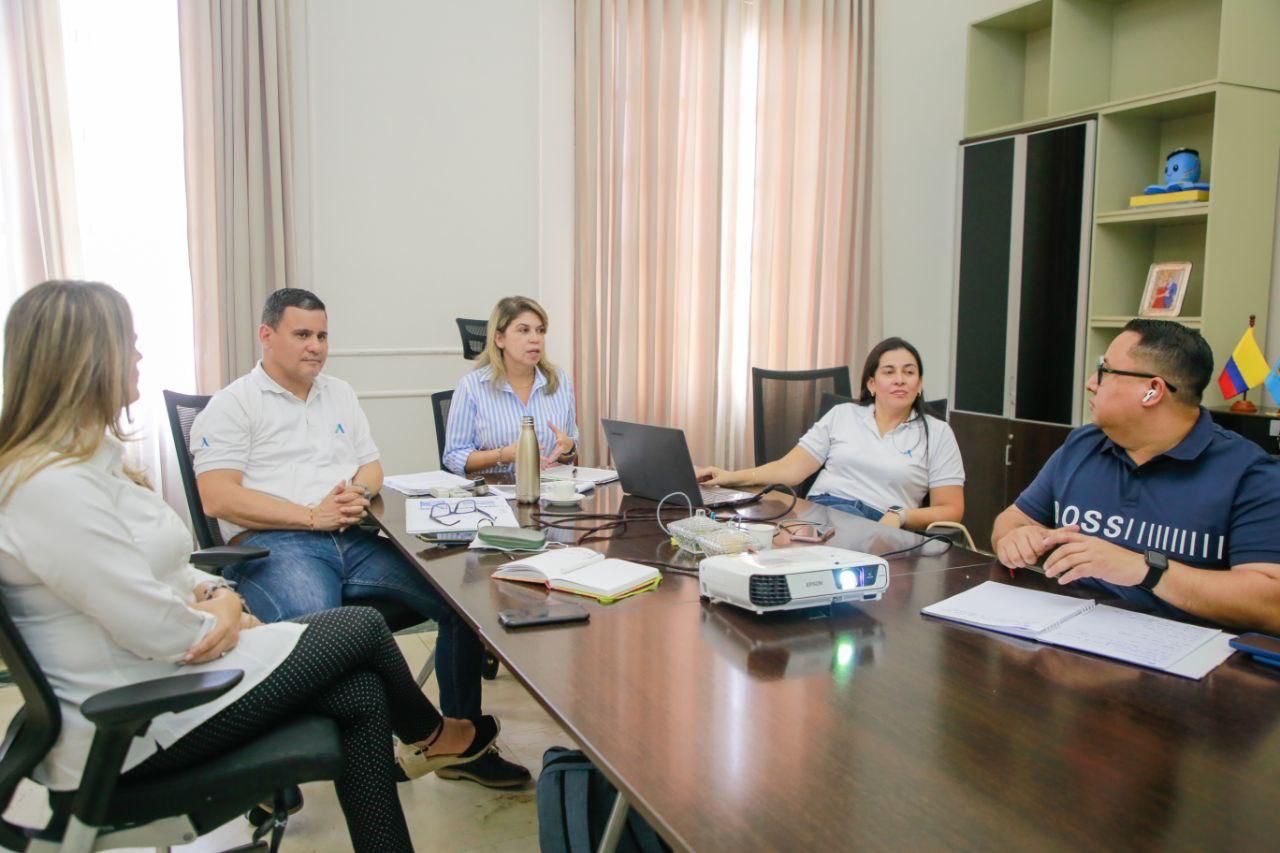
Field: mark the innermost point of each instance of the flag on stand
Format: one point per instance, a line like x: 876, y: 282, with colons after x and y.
x: 1247, y: 368
x: 1273, y: 383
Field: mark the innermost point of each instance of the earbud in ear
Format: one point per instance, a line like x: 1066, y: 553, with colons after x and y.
x: 1147, y: 397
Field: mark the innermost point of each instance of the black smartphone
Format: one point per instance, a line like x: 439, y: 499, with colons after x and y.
x: 543, y: 614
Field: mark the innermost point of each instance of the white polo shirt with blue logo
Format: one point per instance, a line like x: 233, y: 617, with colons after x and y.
x: 1212, y: 501
x: 285, y: 447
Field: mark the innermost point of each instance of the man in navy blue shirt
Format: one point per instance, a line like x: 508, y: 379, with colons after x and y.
x: 1154, y: 502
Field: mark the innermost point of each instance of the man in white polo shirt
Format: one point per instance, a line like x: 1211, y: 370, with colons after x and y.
x: 284, y: 460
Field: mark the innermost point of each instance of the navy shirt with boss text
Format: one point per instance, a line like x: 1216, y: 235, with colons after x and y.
x: 1212, y: 501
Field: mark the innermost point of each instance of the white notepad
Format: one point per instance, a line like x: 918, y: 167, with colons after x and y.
x: 1075, y: 623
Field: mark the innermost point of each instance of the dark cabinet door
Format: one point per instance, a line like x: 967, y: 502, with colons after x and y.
x: 1049, y: 296
x: 982, y: 308
x: 984, y: 447
x: 1033, y: 444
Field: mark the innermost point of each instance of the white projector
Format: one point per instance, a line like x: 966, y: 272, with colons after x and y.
x: 793, y: 578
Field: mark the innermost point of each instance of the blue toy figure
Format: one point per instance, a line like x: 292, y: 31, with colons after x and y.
x: 1181, y: 172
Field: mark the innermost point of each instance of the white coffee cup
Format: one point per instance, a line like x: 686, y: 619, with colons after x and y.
x: 761, y: 534
x: 561, y: 490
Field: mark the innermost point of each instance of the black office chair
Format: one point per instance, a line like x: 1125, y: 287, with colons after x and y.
x: 785, y: 404
x: 182, y: 410
x: 440, y: 401
x: 473, y: 337
x: 953, y: 530
x: 174, y: 808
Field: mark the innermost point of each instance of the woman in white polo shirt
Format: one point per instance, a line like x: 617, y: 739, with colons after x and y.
x: 513, y: 379
x: 94, y: 572
x: 880, y: 457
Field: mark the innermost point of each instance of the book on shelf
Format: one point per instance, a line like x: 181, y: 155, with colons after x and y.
x: 1190, y: 651
x: 582, y: 571
x: 1183, y: 197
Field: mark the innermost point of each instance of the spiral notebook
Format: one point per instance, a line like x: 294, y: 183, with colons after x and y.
x: 1190, y: 651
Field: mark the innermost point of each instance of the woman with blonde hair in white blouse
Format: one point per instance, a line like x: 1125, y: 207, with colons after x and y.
x: 93, y: 570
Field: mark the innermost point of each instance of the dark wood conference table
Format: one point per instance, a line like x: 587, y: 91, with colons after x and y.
x: 873, y: 726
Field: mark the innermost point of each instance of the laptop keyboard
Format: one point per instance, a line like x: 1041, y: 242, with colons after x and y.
x: 715, y: 494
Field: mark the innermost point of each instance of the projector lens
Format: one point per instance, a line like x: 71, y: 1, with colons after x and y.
x: 847, y: 579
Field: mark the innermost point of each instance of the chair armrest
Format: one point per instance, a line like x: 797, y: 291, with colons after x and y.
x: 140, y: 702
x: 221, y: 556
x: 953, y: 530
x: 123, y: 712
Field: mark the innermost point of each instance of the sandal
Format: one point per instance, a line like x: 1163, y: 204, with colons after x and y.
x: 414, y: 762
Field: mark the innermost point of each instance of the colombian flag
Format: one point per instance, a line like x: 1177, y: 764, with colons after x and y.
x: 1246, y: 368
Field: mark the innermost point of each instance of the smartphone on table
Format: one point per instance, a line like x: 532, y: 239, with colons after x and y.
x: 551, y: 613
x: 1264, y: 648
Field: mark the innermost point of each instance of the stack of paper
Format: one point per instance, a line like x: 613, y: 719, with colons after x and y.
x: 422, y: 484
x: 594, y: 476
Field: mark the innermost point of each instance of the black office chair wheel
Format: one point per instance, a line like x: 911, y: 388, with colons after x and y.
x: 490, y: 670
x: 288, y: 801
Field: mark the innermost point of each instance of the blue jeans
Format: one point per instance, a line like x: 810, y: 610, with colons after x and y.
x: 308, y: 572
x: 850, y: 505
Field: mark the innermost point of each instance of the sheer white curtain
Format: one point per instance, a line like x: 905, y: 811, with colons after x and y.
x: 39, y: 230
x: 726, y: 207
x: 237, y: 93
x: 92, y: 170
x: 125, y: 105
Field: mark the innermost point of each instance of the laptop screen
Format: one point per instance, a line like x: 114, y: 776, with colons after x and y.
x: 652, y: 461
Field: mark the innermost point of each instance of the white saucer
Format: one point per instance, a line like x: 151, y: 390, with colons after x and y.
x: 573, y: 501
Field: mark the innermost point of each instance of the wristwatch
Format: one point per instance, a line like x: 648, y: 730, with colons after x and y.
x: 1157, y: 565
x: 901, y: 513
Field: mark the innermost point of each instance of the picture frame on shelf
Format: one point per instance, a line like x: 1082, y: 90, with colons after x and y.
x: 1165, y: 290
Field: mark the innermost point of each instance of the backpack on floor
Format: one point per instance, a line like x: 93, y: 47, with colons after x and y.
x: 574, y: 801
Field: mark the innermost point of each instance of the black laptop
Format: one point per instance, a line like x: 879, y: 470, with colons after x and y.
x: 654, y: 462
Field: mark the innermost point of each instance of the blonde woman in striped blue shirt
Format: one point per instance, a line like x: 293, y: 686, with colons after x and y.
x: 512, y: 379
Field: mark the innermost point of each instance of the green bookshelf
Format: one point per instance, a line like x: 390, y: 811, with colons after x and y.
x: 1158, y: 75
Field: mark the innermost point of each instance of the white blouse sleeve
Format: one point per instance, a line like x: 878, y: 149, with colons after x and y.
x: 66, y: 533
x: 945, y: 465
x: 817, y: 441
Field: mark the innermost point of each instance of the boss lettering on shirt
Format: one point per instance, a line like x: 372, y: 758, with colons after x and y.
x: 1199, y: 545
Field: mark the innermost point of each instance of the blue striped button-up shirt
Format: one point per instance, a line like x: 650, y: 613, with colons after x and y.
x: 485, y: 416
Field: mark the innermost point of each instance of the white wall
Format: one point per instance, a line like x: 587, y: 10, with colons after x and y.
x: 435, y: 176
x: 920, y: 52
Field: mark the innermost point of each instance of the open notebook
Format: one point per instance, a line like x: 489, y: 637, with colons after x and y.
x: 1075, y: 623
x: 582, y: 571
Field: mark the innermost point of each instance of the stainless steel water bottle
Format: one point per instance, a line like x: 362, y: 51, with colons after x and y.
x: 528, y: 467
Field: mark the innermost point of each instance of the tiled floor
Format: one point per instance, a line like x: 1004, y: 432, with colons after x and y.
x: 442, y: 815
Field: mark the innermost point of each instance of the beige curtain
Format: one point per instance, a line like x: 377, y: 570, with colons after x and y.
x: 726, y: 207
x: 41, y: 235
x: 649, y: 79
x: 237, y: 102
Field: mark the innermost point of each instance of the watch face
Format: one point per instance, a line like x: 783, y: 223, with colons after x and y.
x: 1157, y: 560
